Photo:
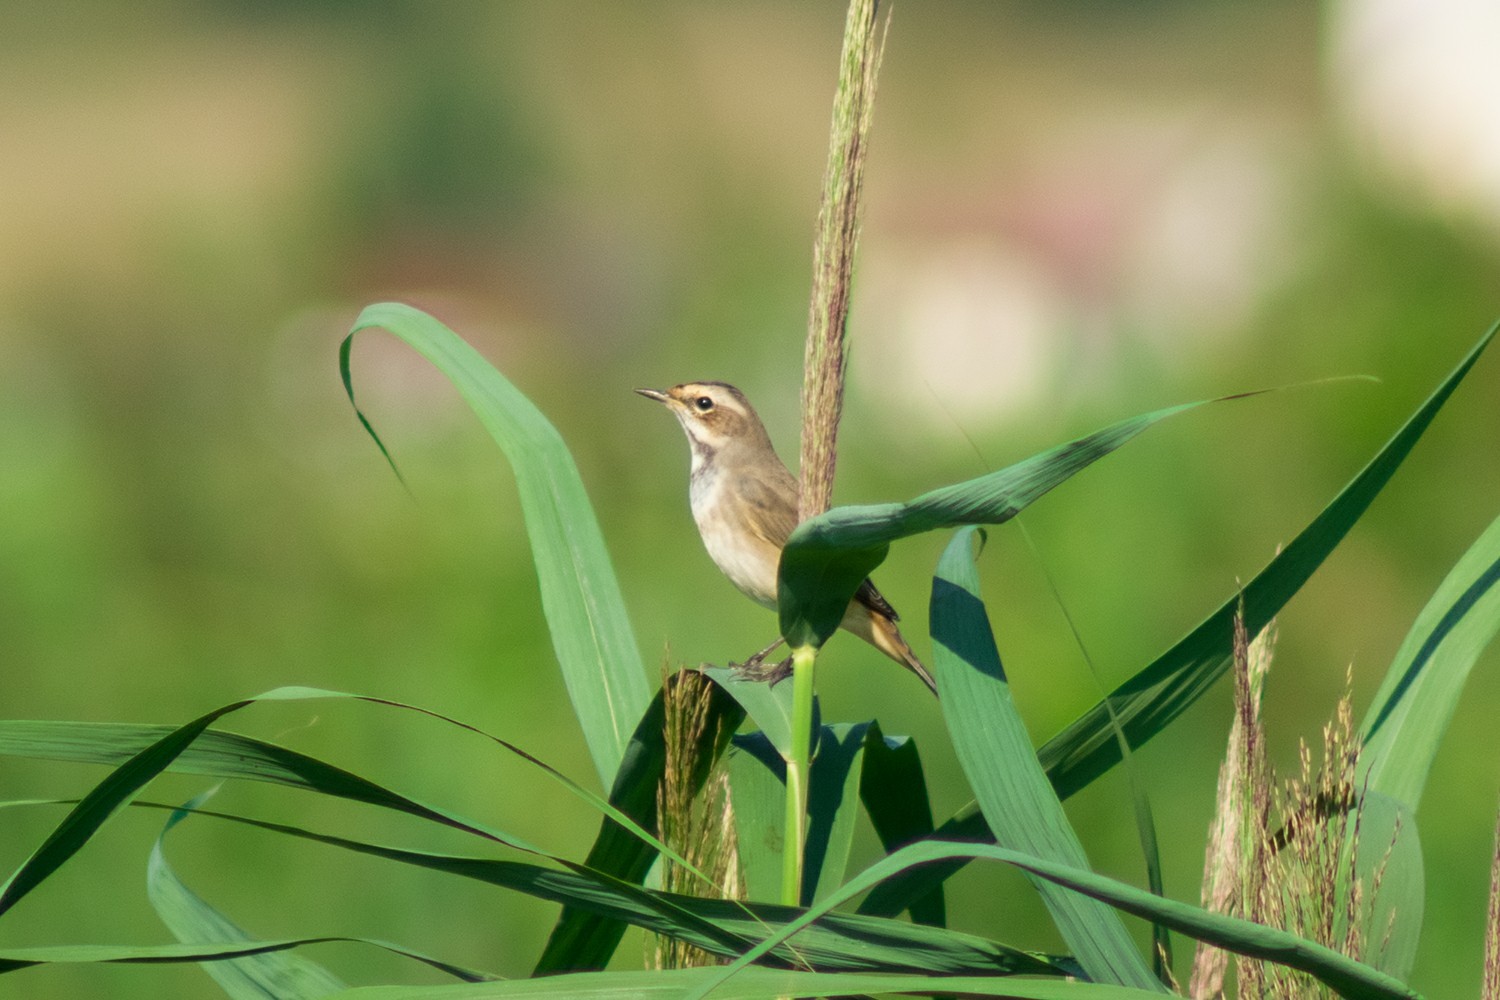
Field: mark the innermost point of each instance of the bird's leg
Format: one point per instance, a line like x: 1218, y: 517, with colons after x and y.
x: 755, y: 668
x: 755, y: 661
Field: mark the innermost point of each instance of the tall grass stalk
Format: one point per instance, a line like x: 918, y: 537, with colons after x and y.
x: 823, y: 367
x: 833, y: 256
x: 1285, y: 853
x: 1240, y: 820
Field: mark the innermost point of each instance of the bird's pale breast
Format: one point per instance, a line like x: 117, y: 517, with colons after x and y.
x: 748, y: 561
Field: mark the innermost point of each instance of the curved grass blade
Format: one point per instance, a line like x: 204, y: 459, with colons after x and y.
x: 751, y: 984
x: 1416, y: 701
x: 122, y: 784
x: 1347, y: 977
x: 995, y: 752
x: 285, y: 975
x: 1404, y: 728
x: 16, y: 959
x: 1149, y: 701
x: 581, y: 598
x: 1389, y: 861
x: 894, y: 792
x: 586, y: 940
x: 828, y: 556
x: 118, y: 788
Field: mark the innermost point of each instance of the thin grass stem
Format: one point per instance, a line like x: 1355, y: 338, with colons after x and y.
x: 798, y: 771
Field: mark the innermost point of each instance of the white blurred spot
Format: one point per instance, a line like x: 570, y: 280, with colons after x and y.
x: 1419, y: 85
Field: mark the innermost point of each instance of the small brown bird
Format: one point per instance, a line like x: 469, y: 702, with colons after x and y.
x: 745, y: 503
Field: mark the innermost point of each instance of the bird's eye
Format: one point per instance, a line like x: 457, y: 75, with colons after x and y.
x: 704, y: 404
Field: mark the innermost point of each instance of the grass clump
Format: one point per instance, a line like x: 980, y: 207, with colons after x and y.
x: 695, y: 812
x: 1286, y: 852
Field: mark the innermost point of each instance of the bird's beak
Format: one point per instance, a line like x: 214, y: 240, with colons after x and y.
x: 655, y: 394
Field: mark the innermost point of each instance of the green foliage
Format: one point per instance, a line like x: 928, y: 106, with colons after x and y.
x: 1160, y: 692
x: 793, y: 951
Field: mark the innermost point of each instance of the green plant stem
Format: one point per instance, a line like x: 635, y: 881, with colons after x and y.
x: 798, y: 770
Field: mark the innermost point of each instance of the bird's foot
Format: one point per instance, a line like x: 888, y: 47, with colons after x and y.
x: 756, y: 669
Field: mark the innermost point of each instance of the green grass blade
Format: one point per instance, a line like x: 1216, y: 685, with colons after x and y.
x: 995, y: 752
x: 751, y: 984
x: 229, y: 755
x: 1166, y: 687
x: 585, y: 940
x: 122, y: 784
x: 15, y: 959
x: 1155, y: 696
x: 1405, y: 726
x: 285, y: 975
x: 117, y: 790
x: 828, y: 556
x: 894, y: 792
x: 1390, y: 854
x: 585, y: 611
x: 1347, y: 977
x: 1412, y: 709
x: 839, y: 942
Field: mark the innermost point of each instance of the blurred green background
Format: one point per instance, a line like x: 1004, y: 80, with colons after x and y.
x: 1075, y: 212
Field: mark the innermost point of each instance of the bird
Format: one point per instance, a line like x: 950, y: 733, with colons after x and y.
x: 745, y: 503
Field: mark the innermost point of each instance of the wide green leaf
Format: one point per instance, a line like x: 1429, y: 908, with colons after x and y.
x: 758, y: 780
x: 894, y: 792
x: 833, y: 806
x: 995, y: 752
x: 1390, y: 859
x: 591, y: 634
x: 1149, y: 701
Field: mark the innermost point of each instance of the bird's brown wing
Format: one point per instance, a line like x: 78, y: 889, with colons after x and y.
x: 771, y: 503
x: 772, y: 515
x: 872, y: 599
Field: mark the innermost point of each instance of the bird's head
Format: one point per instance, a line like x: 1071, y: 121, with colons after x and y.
x: 715, y: 416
